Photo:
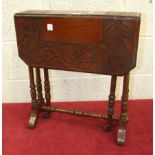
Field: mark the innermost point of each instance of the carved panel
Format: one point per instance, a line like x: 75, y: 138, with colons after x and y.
x: 27, y: 32
x: 121, y: 41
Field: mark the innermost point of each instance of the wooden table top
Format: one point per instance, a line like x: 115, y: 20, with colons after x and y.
x: 93, y: 42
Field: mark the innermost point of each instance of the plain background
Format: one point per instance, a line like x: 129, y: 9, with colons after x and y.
x: 71, y: 86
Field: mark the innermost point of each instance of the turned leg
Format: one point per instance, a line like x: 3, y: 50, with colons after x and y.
x: 123, y: 115
x: 35, y: 106
x: 111, y: 103
x: 47, y: 92
x: 39, y: 87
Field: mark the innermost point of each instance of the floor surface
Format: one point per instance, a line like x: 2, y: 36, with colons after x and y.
x: 64, y: 134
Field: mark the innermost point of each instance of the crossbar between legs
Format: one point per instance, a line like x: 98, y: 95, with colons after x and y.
x: 77, y: 112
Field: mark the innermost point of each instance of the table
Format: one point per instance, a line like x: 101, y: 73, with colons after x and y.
x: 92, y: 42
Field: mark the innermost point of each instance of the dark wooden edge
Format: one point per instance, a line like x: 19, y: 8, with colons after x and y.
x: 77, y: 13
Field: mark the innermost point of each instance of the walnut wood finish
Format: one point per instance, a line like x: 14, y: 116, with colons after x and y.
x: 47, y: 92
x: 111, y: 103
x: 35, y: 105
x: 70, y: 26
x: 123, y: 115
x: 98, y: 42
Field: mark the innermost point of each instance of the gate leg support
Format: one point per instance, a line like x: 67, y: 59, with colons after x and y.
x: 47, y: 93
x: 123, y: 115
x: 39, y: 87
x: 111, y: 104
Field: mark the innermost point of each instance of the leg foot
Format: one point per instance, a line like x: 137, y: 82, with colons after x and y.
x: 121, y: 137
x: 46, y: 114
x: 33, y: 119
x: 107, y: 126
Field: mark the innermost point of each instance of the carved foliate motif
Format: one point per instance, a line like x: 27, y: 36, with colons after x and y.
x: 120, y: 40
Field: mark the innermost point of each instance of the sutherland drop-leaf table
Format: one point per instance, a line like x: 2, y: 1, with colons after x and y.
x: 93, y: 42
